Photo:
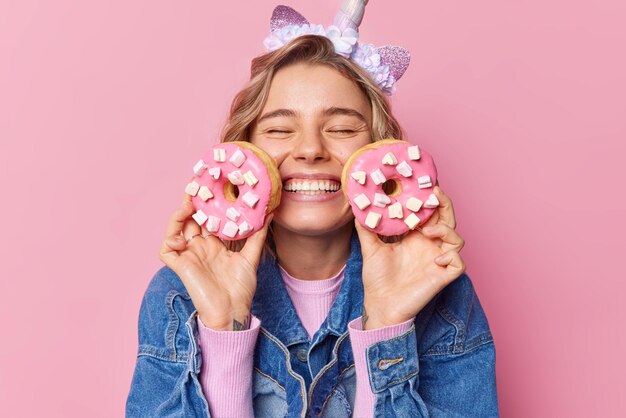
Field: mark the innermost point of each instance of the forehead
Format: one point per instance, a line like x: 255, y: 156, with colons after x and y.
x: 310, y: 89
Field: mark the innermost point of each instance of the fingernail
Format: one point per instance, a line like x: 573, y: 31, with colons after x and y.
x: 428, y: 229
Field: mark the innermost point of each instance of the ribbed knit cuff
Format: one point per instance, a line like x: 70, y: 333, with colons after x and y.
x: 360, y: 340
x: 226, y: 372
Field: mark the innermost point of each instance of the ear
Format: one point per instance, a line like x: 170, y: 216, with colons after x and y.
x: 397, y: 58
x: 284, y: 16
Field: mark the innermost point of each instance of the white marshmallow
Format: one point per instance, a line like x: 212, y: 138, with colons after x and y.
x: 215, y: 172
x: 395, y: 210
x: 204, y: 193
x: 219, y: 154
x: 362, y: 201
x: 213, y: 224
x: 250, y: 199
x: 414, y: 152
x: 232, y: 214
x: 404, y: 169
x: 373, y: 219
x: 390, y: 159
x: 381, y: 200
x: 414, y: 204
x: 378, y: 177
x: 236, y: 178
x: 424, y: 182
x: 199, y: 168
x: 431, y: 202
x: 192, y: 188
x: 244, y: 228
x: 250, y: 179
x: 412, y: 221
x: 200, y: 217
x: 237, y: 158
x: 359, y: 176
x: 230, y: 229
x: 423, y: 179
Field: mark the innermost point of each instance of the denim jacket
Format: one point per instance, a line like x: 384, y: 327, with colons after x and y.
x: 443, y: 366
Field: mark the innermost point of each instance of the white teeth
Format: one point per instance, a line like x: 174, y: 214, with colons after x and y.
x: 312, y: 187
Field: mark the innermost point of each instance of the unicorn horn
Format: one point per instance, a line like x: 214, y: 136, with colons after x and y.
x: 350, y: 15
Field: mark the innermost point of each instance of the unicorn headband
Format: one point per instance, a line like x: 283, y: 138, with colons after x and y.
x: 385, y: 64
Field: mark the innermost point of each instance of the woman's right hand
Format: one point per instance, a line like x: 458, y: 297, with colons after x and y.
x: 221, y: 283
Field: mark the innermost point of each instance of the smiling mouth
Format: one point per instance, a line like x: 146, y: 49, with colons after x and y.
x: 311, y: 187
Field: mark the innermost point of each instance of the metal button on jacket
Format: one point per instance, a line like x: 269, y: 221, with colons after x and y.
x: 302, y: 355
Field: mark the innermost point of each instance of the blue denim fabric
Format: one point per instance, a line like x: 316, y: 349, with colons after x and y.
x: 443, y: 366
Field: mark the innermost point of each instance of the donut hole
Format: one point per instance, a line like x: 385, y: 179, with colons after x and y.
x: 231, y: 191
x: 392, y: 187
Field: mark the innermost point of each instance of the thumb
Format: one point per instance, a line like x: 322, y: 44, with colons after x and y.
x: 254, y: 244
x: 369, y: 240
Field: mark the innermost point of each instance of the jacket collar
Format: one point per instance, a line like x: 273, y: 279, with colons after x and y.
x: 273, y: 306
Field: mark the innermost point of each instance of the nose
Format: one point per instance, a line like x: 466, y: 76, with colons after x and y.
x: 310, y: 147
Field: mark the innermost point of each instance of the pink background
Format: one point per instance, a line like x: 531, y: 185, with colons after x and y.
x: 105, y: 106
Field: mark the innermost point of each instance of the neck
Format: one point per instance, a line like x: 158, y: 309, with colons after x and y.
x: 312, y: 257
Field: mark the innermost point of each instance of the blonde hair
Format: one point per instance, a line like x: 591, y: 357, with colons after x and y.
x: 311, y: 49
x: 315, y: 50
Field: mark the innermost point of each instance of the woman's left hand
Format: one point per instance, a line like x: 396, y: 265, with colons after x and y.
x: 400, y: 278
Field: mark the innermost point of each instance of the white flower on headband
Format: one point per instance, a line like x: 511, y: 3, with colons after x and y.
x: 367, y: 56
x: 281, y: 36
x: 344, y: 41
x: 384, y: 64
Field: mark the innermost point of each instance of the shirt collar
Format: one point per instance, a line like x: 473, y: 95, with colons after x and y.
x: 273, y: 306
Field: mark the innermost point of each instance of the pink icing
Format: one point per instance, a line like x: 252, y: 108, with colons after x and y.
x: 371, y: 160
x: 218, y: 204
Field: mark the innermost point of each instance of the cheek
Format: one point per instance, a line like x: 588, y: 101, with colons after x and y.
x: 276, y: 151
x: 343, y: 153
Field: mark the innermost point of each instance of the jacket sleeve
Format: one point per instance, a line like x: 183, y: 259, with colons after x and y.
x: 165, y: 381
x: 454, y: 376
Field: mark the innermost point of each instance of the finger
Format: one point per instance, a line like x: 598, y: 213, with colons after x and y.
x: 369, y: 240
x: 450, y: 239
x: 445, y: 208
x: 453, y: 262
x: 176, y: 243
x: 191, y: 229
x: 170, y: 248
x: 253, y: 247
x: 177, y: 221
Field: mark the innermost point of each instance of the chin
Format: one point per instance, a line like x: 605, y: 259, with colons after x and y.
x: 314, y: 225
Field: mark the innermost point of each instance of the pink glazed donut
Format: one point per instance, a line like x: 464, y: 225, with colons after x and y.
x: 235, y: 185
x: 389, y: 184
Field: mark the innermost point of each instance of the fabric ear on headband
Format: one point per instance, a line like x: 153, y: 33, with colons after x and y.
x: 396, y: 57
x: 285, y: 16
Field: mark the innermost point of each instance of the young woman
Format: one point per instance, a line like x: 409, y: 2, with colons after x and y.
x: 313, y: 315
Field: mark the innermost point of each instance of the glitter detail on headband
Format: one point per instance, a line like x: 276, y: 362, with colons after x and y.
x: 284, y: 16
x: 385, y: 64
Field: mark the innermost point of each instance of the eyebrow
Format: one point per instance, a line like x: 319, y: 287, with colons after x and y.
x: 288, y: 113
x: 344, y: 111
x: 331, y: 111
